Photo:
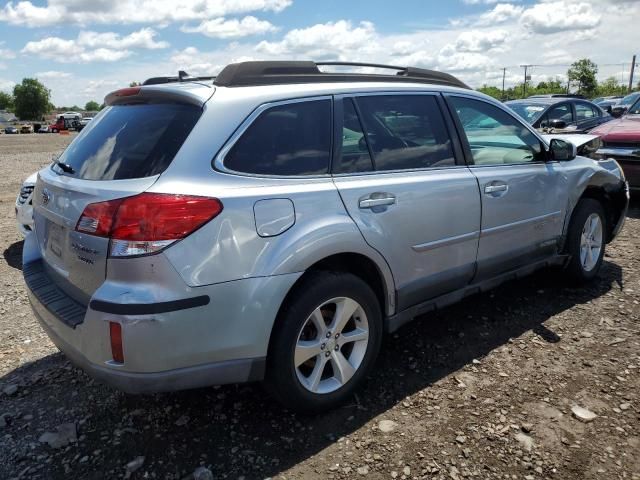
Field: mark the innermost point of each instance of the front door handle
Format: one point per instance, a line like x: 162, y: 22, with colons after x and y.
x: 497, y: 188
x: 377, y: 200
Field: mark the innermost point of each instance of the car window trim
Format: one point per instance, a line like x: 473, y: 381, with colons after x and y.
x: 458, y: 154
x: 218, y: 160
x: 465, y: 142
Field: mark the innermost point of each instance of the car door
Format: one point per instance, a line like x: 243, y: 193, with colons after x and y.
x: 586, y: 117
x: 563, y: 112
x: 524, y: 197
x: 396, y: 170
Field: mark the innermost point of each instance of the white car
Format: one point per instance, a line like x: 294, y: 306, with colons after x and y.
x: 586, y: 144
x: 24, y: 208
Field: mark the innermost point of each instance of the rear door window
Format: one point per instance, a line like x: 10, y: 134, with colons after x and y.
x: 129, y: 141
x: 405, y: 132
x: 584, y: 111
x: 289, y: 139
x: 354, y: 153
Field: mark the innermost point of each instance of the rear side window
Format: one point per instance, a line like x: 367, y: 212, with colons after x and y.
x: 584, y: 111
x: 405, y: 132
x: 290, y: 139
x: 354, y: 153
x: 130, y: 141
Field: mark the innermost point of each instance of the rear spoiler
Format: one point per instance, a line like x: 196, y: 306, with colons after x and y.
x: 157, y: 94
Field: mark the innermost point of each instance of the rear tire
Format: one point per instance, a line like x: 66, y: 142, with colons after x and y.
x: 325, y: 341
x: 586, y: 240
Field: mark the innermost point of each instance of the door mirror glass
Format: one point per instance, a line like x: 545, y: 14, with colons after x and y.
x: 558, y: 124
x: 562, y: 151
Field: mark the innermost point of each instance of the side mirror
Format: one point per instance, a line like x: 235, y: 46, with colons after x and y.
x: 562, y: 151
x: 557, y: 124
x: 617, y: 112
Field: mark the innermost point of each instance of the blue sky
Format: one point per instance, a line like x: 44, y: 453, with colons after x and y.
x: 83, y: 49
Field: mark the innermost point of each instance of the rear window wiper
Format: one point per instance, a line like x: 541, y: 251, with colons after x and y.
x: 65, y: 167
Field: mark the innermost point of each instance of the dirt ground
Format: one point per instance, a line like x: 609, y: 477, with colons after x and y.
x: 481, y: 390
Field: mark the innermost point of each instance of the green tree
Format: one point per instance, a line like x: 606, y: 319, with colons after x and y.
x: 494, y: 92
x: 92, y: 106
x: 611, y: 86
x: 31, y: 99
x: 583, y: 73
x: 134, y: 84
x: 6, y: 101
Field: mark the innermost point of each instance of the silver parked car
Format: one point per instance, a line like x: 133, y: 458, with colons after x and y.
x: 274, y: 222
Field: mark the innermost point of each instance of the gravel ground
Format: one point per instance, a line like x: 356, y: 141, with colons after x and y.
x: 489, y: 388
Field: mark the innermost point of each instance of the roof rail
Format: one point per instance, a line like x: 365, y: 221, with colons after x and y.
x: 282, y: 72
x: 182, y: 77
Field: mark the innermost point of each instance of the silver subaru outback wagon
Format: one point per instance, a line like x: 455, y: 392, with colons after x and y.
x: 274, y: 222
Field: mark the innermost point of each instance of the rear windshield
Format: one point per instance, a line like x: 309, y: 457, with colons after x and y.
x: 129, y: 141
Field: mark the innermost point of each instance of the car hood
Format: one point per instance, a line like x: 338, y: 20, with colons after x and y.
x: 625, y: 128
x: 578, y: 139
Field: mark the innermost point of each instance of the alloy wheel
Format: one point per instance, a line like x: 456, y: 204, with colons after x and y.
x: 331, y: 345
x: 591, y: 242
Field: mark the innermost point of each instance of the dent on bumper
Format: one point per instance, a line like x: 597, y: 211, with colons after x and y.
x: 217, y: 373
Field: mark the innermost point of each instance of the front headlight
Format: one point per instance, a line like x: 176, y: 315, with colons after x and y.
x: 590, y: 149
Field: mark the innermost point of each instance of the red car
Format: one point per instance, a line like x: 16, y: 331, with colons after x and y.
x: 621, y: 140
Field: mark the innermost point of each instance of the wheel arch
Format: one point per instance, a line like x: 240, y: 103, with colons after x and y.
x: 357, y: 264
x: 610, y: 193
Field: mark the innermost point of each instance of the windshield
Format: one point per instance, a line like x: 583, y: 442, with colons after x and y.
x: 530, y: 112
x: 629, y: 99
x: 128, y: 141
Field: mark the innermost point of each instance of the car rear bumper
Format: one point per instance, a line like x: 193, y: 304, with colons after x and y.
x: 172, y: 339
x: 215, y: 373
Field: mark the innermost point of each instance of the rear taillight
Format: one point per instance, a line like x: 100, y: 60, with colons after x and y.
x: 115, y: 334
x: 148, y: 222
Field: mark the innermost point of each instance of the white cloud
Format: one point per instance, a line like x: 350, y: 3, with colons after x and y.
x: 558, y: 16
x: 233, y: 28
x: 480, y: 41
x: 6, y: 53
x: 57, y: 12
x: 143, y: 38
x: 338, y: 39
x: 53, y: 74
x: 6, y: 85
x: 480, y: 2
x: 501, y: 13
x: 94, y: 86
x: 93, y: 46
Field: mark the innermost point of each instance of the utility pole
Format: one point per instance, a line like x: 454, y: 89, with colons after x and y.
x: 504, y: 72
x: 524, y: 85
x: 633, y: 67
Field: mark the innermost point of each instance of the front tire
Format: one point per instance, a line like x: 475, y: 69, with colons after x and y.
x: 586, y: 240
x: 325, y: 341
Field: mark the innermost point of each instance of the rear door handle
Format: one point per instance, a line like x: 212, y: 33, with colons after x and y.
x: 377, y: 200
